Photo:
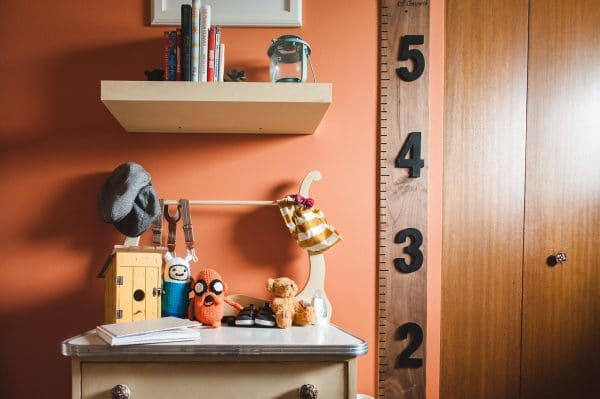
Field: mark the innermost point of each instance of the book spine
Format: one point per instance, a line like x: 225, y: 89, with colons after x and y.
x: 196, y: 26
x: 221, y: 62
x: 170, y: 55
x: 186, y: 42
x: 204, y: 25
x: 217, y: 49
x: 211, y: 54
x: 178, y: 56
x: 166, y: 55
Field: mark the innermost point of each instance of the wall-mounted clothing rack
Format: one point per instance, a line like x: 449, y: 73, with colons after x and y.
x: 316, y: 261
x: 222, y: 202
x: 312, y: 176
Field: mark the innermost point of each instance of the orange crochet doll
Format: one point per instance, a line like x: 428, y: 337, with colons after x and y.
x: 207, y: 304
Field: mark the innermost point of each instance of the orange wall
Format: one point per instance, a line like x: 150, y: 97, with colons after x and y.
x: 58, y: 144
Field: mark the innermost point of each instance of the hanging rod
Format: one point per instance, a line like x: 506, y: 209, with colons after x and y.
x: 312, y: 176
x: 222, y: 202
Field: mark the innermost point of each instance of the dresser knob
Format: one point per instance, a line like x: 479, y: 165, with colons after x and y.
x: 308, y: 391
x: 120, y: 391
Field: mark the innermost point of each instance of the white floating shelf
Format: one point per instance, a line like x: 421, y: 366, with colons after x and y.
x: 229, y: 107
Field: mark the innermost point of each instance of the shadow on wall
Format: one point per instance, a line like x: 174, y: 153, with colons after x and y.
x: 29, y: 340
x: 68, y: 94
x: 264, y: 228
x: 72, y: 220
x: 74, y: 116
x: 72, y: 131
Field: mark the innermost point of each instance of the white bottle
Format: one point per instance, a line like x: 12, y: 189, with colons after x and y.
x: 320, y: 306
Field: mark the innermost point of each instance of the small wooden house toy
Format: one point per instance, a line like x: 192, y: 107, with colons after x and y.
x: 133, y: 284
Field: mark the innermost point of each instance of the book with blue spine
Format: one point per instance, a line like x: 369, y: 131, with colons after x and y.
x: 217, y: 53
x: 170, y: 55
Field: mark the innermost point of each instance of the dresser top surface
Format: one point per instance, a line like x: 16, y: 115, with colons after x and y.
x: 309, y: 340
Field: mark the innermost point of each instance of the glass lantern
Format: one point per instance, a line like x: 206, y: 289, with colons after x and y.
x: 289, y: 55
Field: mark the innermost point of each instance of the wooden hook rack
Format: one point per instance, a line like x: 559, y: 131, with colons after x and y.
x: 316, y: 277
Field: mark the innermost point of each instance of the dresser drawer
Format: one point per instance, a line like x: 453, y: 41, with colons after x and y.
x: 225, y: 362
x: 191, y: 380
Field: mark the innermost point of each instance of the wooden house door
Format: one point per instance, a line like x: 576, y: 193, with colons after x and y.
x: 561, y: 303
x: 521, y: 185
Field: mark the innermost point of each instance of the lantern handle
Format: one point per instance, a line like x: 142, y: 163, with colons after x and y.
x: 312, y: 70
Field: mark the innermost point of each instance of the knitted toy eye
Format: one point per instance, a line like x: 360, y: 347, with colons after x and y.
x: 216, y: 286
x: 200, y: 287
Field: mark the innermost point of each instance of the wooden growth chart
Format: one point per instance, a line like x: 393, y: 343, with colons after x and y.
x: 403, y: 136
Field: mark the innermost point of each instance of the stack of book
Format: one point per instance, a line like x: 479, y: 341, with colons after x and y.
x: 194, y: 53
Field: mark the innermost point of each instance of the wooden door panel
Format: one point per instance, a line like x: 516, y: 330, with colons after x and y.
x: 153, y: 301
x: 561, y: 304
x: 484, y: 173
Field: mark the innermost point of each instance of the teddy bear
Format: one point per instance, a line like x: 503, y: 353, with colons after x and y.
x: 288, y: 310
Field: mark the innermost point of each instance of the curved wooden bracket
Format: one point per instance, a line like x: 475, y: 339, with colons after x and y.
x: 316, y: 276
x: 312, y: 176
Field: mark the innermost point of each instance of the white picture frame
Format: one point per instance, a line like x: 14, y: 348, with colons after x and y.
x: 234, y: 12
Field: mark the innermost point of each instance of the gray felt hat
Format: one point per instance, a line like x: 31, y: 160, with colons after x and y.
x: 128, y: 200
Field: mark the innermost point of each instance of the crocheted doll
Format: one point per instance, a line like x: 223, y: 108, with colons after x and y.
x: 207, y: 304
x: 176, y: 285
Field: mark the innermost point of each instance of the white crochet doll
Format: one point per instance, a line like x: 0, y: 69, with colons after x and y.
x: 176, y: 285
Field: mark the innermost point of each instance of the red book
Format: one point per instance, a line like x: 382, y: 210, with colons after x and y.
x: 178, y: 73
x: 211, y: 54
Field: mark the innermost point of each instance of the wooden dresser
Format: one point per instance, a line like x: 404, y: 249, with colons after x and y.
x: 228, y: 362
